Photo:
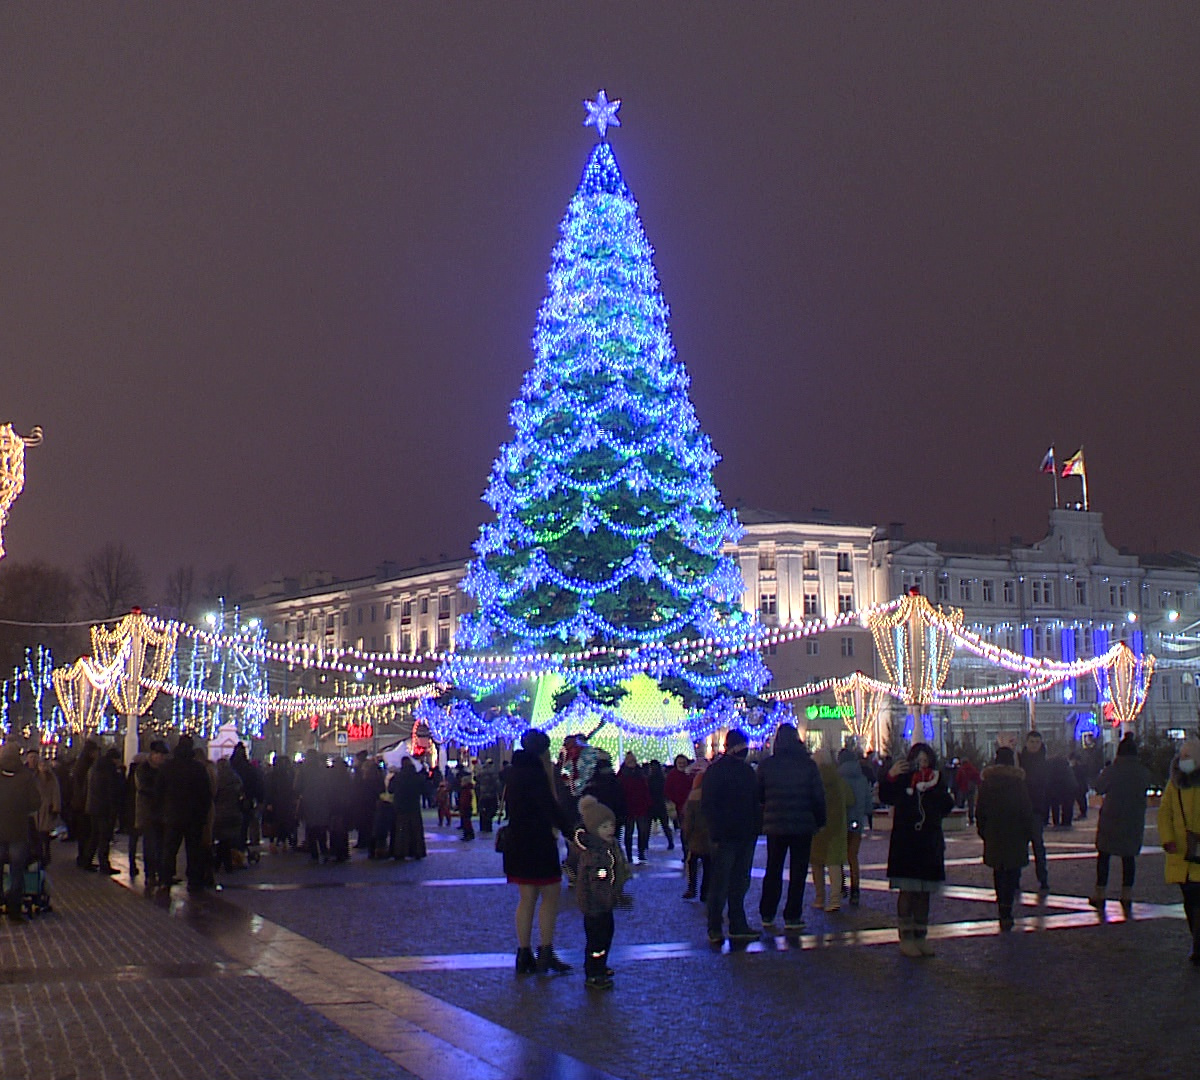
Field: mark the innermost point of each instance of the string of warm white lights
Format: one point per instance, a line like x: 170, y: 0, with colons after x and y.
x: 297, y: 706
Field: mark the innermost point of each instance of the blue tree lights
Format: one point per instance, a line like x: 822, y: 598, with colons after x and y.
x: 608, y: 527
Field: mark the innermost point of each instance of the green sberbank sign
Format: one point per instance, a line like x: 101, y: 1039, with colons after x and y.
x: 829, y: 712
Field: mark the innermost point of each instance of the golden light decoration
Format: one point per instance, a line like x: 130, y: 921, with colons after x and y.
x: 12, y: 469
x: 82, y: 689
x: 916, y: 644
x: 860, y: 700
x: 1128, y: 677
x: 130, y: 642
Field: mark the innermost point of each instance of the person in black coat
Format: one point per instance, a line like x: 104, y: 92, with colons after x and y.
x: 729, y: 802
x: 105, y: 796
x: 1004, y: 820
x: 186, y: 796
x: 1037, y: 779
x: 531, y: 851
x: 406, y: 788
x: 793, y: 809
x: 916, y: 853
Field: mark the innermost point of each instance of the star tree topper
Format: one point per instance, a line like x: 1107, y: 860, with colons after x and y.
x: 602, y: 113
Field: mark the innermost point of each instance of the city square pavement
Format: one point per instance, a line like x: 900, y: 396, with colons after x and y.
x: 385, y: 969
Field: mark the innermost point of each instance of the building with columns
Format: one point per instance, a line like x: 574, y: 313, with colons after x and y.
x: 1069, y: 595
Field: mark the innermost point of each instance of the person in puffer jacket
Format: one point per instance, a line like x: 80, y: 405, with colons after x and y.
x: 599, y: 888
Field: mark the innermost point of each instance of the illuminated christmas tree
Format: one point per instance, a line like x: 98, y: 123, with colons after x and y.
x: 605, y: 551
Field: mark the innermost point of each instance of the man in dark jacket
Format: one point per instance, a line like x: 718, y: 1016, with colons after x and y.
x: 1037, y: 779
x: 729, y: 802
x: 19, y: 801
x: 186, y: 801
x: 793, y: 807
x: 105, y: 794
x: 148, y: 810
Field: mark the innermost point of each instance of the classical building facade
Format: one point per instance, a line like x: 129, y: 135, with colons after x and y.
x: 1067, y: 596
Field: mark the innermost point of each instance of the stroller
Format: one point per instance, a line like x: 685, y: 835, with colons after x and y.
x: 35, y: 893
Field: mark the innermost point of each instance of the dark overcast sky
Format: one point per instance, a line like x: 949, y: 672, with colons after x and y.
x: 268, y: 272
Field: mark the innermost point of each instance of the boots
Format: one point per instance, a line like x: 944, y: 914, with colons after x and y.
x: 1127, y: 903
x: 1097, y: 899
x: 920, y: 930
x: 548, y: 962
x: 690, y: 894
x: 818, y: 876
x: 1006, y: 917
x: 908, y: 942
x: 526, y: 964
x: 836, y: 883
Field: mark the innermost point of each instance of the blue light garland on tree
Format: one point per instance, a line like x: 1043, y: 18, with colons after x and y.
x: 608, y: 527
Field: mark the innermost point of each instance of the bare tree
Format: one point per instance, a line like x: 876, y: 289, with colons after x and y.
x: 111, y: 582
x: 225, y: 583
x: 34, y: 598
x: 180, y: 593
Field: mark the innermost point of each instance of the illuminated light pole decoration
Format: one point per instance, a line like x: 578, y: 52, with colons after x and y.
x: 144, y: 651
x: 1124, y: 684
x: 860, y: 699
x: 916, y: 644
x: 227, y: 662
x: 82, y: 690
x: 12, y: 469
x: 25, y: 705
x: 608, y: 527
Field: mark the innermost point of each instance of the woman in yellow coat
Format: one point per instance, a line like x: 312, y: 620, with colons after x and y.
x: 1179, y: 814
x: 829, y: 844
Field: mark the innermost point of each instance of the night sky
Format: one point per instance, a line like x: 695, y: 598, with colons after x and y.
x: 269, y: 272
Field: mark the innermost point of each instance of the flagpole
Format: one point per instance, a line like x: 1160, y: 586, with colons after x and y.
x: 1083, y: 473
x: 1054, y: 472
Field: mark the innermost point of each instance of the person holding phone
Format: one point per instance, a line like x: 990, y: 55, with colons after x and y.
x: 916, y: 854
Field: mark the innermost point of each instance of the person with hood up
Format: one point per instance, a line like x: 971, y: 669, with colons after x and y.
x: 829, y: 847
x: 858, y: 814
x: 1122, y: 823
x: 19, y: 801
x: 1037, y: 779
x: 408, y: 831
x: 1179, y: 831
x: 1004, y: 820
x: 793, y: 809
x: 916, y: 864
x: 600, y: 887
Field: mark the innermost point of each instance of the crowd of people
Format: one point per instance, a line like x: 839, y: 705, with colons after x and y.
x: 812, y: 809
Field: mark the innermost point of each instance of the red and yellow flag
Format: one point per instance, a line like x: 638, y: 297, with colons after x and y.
x: 1073, y: 466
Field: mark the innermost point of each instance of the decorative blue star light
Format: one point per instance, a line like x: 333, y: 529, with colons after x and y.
x: 602, y: 113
